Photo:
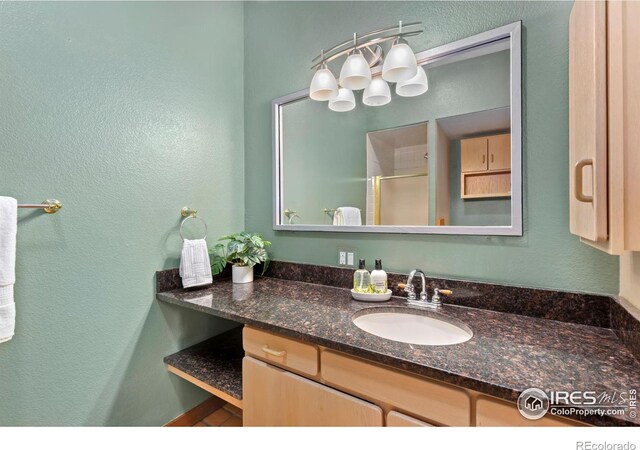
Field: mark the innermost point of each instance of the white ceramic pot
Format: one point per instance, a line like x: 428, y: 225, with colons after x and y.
x: 242, y: 274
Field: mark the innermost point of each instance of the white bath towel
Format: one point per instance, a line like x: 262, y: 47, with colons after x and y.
x: 195, y: 266
x: 8, y: 230
x: 347, y: 215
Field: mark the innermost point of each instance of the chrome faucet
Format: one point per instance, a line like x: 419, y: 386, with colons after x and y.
x: 424, y: 300
x: 410, y: 289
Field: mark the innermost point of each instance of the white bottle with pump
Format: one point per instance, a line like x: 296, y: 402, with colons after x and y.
x: 379, y: 278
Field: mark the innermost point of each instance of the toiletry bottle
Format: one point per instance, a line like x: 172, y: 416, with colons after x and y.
x: 361, y: 278
x: 379, y: 278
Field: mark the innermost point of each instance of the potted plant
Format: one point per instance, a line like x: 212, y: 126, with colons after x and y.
x: 244, y: 250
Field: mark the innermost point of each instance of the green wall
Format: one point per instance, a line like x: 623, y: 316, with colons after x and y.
x: 125, y: 113
x: 325, y: 160
x: 280, y: 40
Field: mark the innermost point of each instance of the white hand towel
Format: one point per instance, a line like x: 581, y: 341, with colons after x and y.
x: 347, y: 215
x: 195, y: 266
x: 8, y: 230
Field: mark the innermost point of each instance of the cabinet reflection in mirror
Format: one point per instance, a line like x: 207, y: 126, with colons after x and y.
x: 445, y: 162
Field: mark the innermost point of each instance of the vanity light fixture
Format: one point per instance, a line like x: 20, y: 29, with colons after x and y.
x: 377, y: 93
x: 323, y: 85
x: 400, y: 64
x: 345, y: 101
x: 355, y: 73
x: 364, y: 53
x: 415, y: 86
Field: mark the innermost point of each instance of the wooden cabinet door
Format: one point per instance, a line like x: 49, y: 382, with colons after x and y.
x: 588, y: 120
x: 274, y: 397
x: 473, y: 154
x: 396, y: 419
x: 496, y: 413
x: 499, y: 152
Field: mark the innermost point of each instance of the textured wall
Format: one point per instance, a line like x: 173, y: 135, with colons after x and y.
x: 125, y: 112
x: 280, y: 40
x: 324, y: 157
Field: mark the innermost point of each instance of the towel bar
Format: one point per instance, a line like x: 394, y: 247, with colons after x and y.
x: 50, y: 206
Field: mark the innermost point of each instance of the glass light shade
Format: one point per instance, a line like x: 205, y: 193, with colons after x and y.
x: 377, y: 93
x: 355, y: 73
x: 415, y: 86
x: 345, y: 101
x: 400, y: 64
x: 323, y: 85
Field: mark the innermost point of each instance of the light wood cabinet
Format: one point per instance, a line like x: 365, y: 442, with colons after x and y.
x: 281, y: 351
x: 274, y: 397
x: 604, y: 109
x: 499, y: 152
x: 350, y: 391
x: 396, y: 419
x: 485, y: 167
x: 473, y: 154
x: 431, y: 400
x: 495, y: 413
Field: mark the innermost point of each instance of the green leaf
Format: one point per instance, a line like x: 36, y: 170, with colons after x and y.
x: 242, y: 248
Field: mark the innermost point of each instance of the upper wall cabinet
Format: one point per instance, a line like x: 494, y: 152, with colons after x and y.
x: 485, y: 167
x: 604, y: 137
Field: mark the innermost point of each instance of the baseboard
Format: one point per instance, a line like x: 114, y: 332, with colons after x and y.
x: 198, y: 413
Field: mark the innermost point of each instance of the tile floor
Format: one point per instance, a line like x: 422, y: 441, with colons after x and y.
x: 227, y: 416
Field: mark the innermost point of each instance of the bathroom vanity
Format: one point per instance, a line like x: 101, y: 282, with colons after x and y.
x: 300, y: 359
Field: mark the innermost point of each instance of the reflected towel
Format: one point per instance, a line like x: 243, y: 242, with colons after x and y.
x: 347, y: 215
x: 8, y: 230
x: 195, y: 266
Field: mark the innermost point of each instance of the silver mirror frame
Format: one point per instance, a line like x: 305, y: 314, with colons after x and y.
x: 511, y: 32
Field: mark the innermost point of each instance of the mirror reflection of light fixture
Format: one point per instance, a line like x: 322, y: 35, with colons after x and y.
x: 415, y: 86
x: 345, y: 101
x: 377, y: 93
x: 399, y: 66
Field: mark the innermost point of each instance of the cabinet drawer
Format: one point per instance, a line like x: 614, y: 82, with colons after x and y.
x: 428, y: 399
x: 281, y: 351
x: 496, y: 413
x: 396, y: 419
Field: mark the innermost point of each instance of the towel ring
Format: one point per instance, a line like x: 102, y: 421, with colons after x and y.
x: 206, y: 229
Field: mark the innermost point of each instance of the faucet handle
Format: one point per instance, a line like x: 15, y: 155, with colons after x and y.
x: 409, y: 289
x: 435, y: 300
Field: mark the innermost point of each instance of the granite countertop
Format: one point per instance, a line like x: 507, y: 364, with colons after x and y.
x: 507, y: 354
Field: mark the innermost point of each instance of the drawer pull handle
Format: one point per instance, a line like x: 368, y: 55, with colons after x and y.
x: 577, y: 181
x: 272, y: 352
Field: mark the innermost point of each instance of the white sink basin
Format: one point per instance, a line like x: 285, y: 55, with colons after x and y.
x: 413, y: 328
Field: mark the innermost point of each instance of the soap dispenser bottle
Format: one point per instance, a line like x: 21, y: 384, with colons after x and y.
x: 361, y: 278
x: 379, y: 278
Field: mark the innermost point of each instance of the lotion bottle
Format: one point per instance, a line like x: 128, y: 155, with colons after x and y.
x: 379, y: 278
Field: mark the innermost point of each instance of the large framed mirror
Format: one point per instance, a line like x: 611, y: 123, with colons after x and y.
x: 445, y: 162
